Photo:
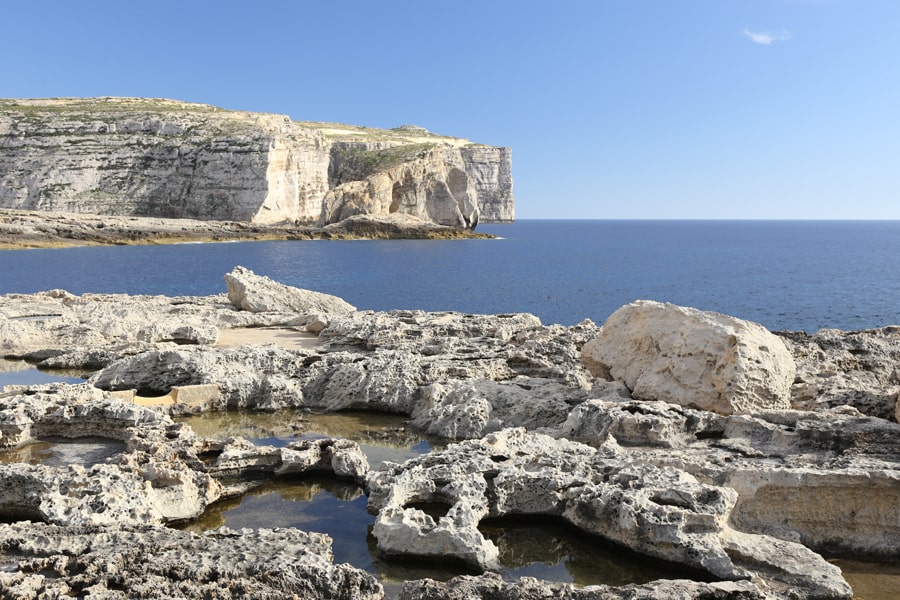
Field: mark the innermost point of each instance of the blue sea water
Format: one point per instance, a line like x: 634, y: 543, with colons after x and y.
x: 799, y: 275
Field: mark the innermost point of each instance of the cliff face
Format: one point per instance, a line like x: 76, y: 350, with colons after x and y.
x: 161, y: 158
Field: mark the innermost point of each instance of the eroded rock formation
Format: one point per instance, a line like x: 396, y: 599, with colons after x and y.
x: 492, y: 587
x: 658, y: 511
x: 748, y: 494
x: 856, y: 368
x: 51, y: 561
x: 162, y: 158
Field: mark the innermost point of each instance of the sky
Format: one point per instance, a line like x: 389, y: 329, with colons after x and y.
x: 661, y: 109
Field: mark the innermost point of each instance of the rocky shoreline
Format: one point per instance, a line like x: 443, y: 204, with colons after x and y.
x: 695, y: 438
x: 42, y: 229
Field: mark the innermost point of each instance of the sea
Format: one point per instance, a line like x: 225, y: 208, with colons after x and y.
x: 785, y: 275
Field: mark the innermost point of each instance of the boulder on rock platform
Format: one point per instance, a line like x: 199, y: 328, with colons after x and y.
x: 693, y: 358
x: 257, y: 293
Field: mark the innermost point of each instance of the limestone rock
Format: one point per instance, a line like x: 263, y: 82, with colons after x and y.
x: 735, y: 494
x: 257, y: 293
x: 342, y: 458
x: 855, y: 368
x: 159, y: 562
x: 491, y: 586
x: 490, y: 175
x: 830, y: 480
x: 693, y: 358
x: 164, y: 472
x: 659, y: 511
x: 148, y: 157
x: 57, y: 323
x: 459, y: 409
x: 20, y: 229
x: 167, y: 159
x: 154, y: 480
x: 394, y: 226
x: 431, y: 184
x: 248, y: 376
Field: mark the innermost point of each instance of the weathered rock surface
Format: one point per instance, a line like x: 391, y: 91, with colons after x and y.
x: 163, y: 474
x: 156, y: 479
x: 431, y: 184
x: 830, y: 480
x: 693, y: 358
x: 162, y: 158
x: 257, y: 293
x: 119, y: 562
x: 733, y: 494
x: 659, y: 511
x: 394, y: 226
x: 341, y: 458
x: 491, y: 586
x: 436, y: 367
x: 91, y: 330
x: 856, y: 368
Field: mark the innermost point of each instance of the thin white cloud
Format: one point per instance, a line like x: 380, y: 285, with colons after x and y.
x: 766, y: 38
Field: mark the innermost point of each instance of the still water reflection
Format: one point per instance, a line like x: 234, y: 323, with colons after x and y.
x: 547, y: 550
x: 380, y: 436
x: 19, y: 372
x: 59, y: 452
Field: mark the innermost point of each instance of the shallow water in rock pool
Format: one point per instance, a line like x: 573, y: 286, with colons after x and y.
x: 380, y: 436
x: 59, y: 452
x: 19, y: 372
x: 545, y: 549
x: 871, y: 580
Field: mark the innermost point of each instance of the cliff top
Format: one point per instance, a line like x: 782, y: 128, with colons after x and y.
x: 104, y: 104
x: 402, y: 135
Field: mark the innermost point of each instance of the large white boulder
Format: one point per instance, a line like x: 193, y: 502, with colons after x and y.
x: 693, y: 358
x: 257, y: 293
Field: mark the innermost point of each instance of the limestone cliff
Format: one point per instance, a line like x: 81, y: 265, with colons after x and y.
x: 163, y: 158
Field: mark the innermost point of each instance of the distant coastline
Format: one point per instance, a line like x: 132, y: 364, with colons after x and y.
x: 21, y: 229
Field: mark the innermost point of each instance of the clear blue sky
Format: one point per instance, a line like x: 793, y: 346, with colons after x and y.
x: 613, y: 108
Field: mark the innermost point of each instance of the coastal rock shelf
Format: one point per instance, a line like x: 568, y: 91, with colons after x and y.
x: 742, y: 468
x: 42, y: 229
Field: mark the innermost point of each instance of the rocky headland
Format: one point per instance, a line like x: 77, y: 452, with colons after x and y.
x: 706, y: 441
x: 143, y: 157
x: 39, y: 229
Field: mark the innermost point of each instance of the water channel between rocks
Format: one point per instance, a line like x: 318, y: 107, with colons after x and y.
x: 544, y: 549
